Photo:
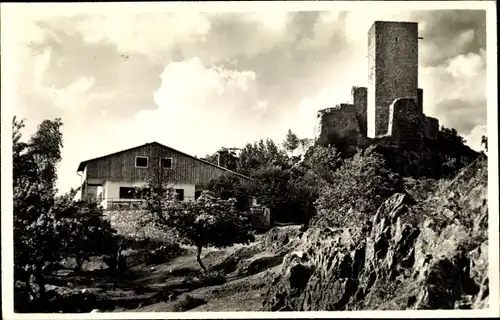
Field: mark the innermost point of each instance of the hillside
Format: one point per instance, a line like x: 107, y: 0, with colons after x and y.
x: 365, y: 234
x: 429, y: 254
x: 411, y: 254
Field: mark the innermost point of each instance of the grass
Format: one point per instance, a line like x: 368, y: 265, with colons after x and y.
x: 174, y: 285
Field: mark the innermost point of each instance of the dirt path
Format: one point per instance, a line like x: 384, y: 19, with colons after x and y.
x: 239, y: 293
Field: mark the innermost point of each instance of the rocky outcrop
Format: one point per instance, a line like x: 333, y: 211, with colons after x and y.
x: 282, y: 240
x: 398, y: 260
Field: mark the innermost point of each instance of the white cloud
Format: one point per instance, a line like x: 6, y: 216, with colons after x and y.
x: 146, y: 33
x: 461, y: 78
x: 473, y: 139
x: 467, y: 66
x: 199, y: 109
x: 364, y: 19
x: 273, y: 21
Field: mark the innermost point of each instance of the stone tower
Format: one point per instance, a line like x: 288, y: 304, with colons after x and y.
x: 392, y: 71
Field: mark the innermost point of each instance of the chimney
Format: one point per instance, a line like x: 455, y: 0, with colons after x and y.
x: 222, y: 158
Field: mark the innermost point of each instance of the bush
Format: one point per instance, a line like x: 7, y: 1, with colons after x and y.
x: 280, y: 190
x: 229, y: 186
x: 420, y: 189
x: 82, y: 231
x: 48, y: 228
x: 208, y: 221
x: 439, y: 158
x: 360, y: 186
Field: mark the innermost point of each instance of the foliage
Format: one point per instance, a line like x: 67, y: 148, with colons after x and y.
x: 208, y: 221
x: 306, y: 184
x: 157, y: 194
x: 291, y: 141
x: 281, y: 190
x: 360, y: 185
x: 289, y: 188
x: 260, y: 154
x: 228, y: 186
x: 437, y: 158
x: 484, y: 142
x: 323, y: 160
x: 421, y: 188
x: 82, y: 231
x: 47, y: 228
x: 34, y: 176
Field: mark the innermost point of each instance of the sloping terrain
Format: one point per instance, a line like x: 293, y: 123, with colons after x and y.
x: 409, y: 255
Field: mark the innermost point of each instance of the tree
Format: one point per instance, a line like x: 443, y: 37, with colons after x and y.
x: 229, y: 186
x: 291, y: 141
x: 323, y: 160
x: 47, y: 228
x: 34, y: 177
x: 260, y: 154
x: 276, y: 188
x: 484, y: 141
x: 208, y: 221
x: 359, y: 187
x: 81, y: 230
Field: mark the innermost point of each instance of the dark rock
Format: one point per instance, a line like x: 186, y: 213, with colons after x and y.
x: 259, y: 264
x: 233, y: 261
x: 395, y: 265
x: 187, y: 302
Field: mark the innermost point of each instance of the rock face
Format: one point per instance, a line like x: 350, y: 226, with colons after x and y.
x: 391, y: 263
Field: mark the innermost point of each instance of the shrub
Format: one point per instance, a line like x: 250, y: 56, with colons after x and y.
x: 229, y: 186
x: 360, y: 186
x: 208, y: 221
x: 82, y: 231
x: 47, y: 228
x: 275, y: 188
x: 260, y: 154
x: 420, y: 189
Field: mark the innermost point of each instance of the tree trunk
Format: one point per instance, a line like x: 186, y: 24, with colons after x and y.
x: 79, y: 263
x: 40, y: 281
x: 198, y: 258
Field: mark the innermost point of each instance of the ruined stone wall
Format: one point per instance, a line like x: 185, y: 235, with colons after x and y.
x: 370, y: 107
x: 393, y: 70
x: 359, y: 99
x: 420, y: 100
x: 338, y: 125
x: 391, y: 107
x: 407, y: 124
x: 432, y: 128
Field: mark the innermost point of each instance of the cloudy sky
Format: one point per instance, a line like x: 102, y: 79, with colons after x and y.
x: 197, y: 82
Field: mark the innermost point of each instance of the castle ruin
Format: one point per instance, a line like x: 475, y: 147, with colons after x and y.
x: 392, y: 105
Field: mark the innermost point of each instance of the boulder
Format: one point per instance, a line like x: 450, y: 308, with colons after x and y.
x: 389, y: 264
x: 187, y: 302
x: 258, y: 264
